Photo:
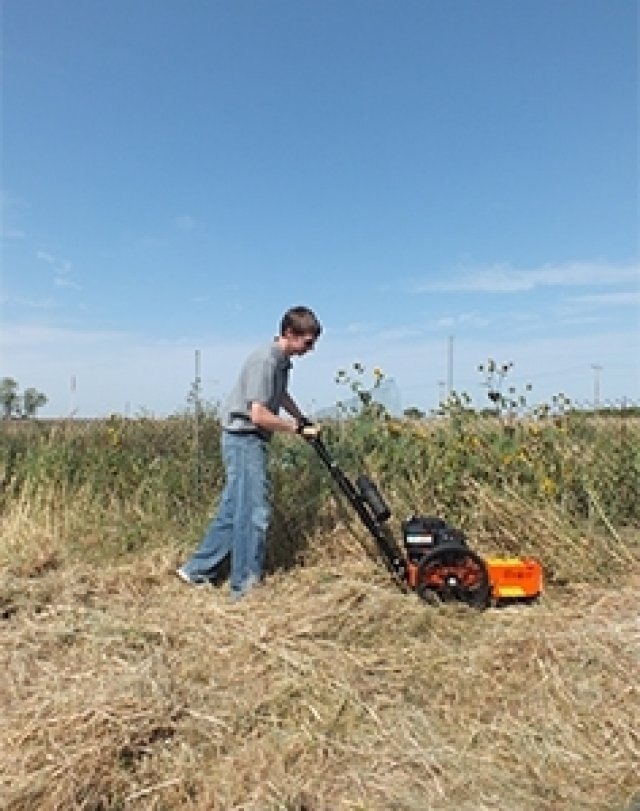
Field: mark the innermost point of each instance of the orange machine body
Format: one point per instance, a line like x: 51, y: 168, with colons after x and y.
x: 514, y: 578
x: 510, y: 579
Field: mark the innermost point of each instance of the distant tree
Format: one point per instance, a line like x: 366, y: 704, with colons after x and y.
x: 9, y: 400
x: 32, y: 400
x: 413, y: 413
x: 12, y: 404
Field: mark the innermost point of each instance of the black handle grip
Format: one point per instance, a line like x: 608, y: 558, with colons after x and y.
x: 371, y: 495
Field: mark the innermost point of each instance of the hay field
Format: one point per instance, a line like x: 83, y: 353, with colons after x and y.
x: 327, y: 688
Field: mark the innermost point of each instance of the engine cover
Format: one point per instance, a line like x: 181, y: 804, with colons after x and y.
x: 424, y: 533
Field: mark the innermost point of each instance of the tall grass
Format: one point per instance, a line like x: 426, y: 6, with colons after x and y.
x: 564, y: 489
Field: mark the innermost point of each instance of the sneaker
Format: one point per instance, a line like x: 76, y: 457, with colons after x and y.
x: 193, y: 579
x: 251, y: 583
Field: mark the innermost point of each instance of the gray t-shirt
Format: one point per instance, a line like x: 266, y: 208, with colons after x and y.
x: 263, y: 379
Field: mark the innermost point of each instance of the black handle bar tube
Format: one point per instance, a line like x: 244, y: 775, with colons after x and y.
x: 356, y: 501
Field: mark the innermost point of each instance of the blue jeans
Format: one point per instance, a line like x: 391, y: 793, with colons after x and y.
x: 240, y: 525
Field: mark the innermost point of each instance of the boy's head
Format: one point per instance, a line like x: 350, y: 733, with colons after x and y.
x: 300, y: 326
x: 300, y: 321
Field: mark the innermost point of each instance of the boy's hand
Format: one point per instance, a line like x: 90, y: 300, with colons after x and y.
x: 308, y: 429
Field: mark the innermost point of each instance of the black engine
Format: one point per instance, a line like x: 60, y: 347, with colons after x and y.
x: 424, y: 533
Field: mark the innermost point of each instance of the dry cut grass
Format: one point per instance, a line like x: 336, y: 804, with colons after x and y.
x: 326, y: 688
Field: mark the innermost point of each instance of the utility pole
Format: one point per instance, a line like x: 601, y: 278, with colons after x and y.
x: 72, y: 396
x: 596, y: 385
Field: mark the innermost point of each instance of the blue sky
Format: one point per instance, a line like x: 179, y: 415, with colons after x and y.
x: 177, y: 173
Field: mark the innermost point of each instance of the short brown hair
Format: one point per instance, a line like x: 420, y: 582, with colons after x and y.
x: 301, y: 321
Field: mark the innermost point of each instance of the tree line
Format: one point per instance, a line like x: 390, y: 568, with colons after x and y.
x: 14, y: 404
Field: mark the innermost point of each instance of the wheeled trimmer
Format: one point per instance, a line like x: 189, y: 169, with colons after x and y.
x: 436, y: 561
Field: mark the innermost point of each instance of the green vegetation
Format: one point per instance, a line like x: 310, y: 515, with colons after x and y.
x: 539, y: 485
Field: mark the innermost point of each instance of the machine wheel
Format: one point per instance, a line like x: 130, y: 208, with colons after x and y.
x: 454, y: 573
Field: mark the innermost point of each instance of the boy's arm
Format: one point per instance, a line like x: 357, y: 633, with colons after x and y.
x: 263, y: 418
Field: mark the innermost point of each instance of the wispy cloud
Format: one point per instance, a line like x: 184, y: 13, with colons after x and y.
x: 623, y: 299
x: 405, y: 333
x: 27, y: 336
x: 12, y: 233
x: 503, y: 278
x: 462, y: 319
x: 185, y: 222
x: 32, y: 303
x: 60, y: 281
x: 62, y: 268
x: 356, y: 328
x: 581, y: 320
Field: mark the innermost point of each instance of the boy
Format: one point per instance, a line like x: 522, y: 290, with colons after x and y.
x: 249, y: 418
